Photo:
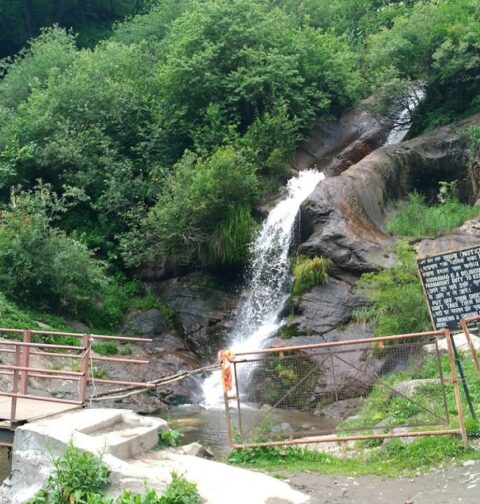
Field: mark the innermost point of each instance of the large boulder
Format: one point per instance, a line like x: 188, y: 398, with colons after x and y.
x: 344, y: 217
x: 203, y: 308
x: 335, y: 145
x: 326, y: 307
x: 147, y: 323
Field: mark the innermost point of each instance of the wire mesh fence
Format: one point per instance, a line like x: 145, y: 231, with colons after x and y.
x: 396, y: 386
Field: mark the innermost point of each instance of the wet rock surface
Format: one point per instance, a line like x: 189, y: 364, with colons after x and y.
x: 202, y: 308
x: 326, y: 307
x: 336, y: 145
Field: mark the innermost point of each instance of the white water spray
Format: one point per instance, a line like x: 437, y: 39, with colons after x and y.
x: 398, y: 133
x: 264, y: 295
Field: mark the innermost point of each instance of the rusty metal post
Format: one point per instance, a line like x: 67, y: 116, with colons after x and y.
x: 84, y: 360
x: 15, y: 381
x: 237, y: 393
x: 228, y: 419
x: 27, y: 338
x: 456, y: 388
x: 468, y: 337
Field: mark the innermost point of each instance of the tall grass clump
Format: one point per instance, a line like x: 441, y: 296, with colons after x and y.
x: 396, y: 294
x: 308, y: 272
x: 417, y: 220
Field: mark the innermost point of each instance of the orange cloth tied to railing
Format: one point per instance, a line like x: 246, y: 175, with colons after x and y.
x: 225, y: 357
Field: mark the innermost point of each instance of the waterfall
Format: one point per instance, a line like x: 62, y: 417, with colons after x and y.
x: 398, y: 133
x: 265, y: 293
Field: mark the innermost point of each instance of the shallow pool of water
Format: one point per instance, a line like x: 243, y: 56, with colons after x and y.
x: 208, y: 426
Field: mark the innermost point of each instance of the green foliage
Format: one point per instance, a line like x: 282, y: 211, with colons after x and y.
x: 279, y: 376
x: 105, y: 348
x: 394, y: 459
x: 309, y: 272
x: 41, y: 265
x: 416, y: 219
x: 80, y: 478
x: 171, y: 438
x: 229, y: 62
x: 51, y: 52
x: 76, y: 475
x: 203, y: 211
x: 288, y: 331
x: 125, y: 351
x: 398, y: 306
x: 180, y: 491
x: 436, y: 42
x: 12, y: 316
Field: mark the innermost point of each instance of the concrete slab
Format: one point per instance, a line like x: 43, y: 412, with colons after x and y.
x: 116, y: 435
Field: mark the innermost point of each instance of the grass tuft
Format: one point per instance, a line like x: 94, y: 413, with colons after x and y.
x: 309, y: 272
x: 416, y: 219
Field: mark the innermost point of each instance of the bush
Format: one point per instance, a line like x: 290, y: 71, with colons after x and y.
x: 416, y: 219
x: 180, y: 491
x: 76, y: 475
x: 309, y: 272
x: 398, y: 305
x: 202, y: 213
x: 171, y: 438
x: 41, y: 265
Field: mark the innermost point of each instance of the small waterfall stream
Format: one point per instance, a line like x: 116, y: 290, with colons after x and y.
x: 398, y: 133
x: 265, y: 292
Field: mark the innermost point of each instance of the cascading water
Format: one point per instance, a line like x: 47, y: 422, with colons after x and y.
x: 398, y: 133
x: 264, y: 296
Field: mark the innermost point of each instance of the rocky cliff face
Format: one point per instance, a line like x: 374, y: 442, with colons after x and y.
x: 343, y: 219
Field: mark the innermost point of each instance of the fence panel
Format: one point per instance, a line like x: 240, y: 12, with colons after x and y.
x: 397, y: 386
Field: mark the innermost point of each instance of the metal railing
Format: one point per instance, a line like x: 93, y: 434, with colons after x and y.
x: 290, y: 382
x: 21, y: 370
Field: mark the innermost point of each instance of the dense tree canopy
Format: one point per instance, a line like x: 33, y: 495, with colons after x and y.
x: 173, y: 122
x: 21, y: 20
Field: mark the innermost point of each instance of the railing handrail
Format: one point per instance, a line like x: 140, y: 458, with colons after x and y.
x: 21, y: 370
x: 376, y: 339
x: 76, y: 335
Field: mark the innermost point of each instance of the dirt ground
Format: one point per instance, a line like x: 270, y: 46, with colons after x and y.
x: 442, y: 486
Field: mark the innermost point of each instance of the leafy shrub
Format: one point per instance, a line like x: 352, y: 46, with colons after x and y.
x: 172, y: 438
x: 180, y: 491
x: 202, y: 213
x: 76, y: 475
x: 398, y: 306
x: 309, y: 272
x: 52, y: 51
x: 416, y: 219
x: 41, y: 265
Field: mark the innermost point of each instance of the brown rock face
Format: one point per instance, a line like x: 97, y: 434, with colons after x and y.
x: 335, y: 145
x: 344, y: 217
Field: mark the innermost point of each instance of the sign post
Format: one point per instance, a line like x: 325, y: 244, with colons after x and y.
x: 451, y: 284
